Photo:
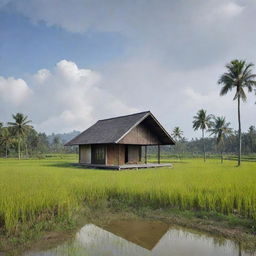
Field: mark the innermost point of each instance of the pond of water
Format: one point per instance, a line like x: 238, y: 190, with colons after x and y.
x: 143, y: 238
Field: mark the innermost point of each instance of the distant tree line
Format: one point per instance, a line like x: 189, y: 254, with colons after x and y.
x: 229, y: 146
x: 19, y: 139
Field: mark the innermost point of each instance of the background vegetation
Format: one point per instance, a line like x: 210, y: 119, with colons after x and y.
x: 36, y: 144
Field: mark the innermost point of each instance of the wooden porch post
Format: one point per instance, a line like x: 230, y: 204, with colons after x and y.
x: 118, y: 155
x: 158, y: 153
x: 146, y: 157
x: 106, y: 156
x: 79, y: 153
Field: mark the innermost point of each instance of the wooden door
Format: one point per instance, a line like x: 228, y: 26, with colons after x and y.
x: 98, y: 154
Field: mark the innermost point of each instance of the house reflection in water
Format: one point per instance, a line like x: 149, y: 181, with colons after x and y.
x: 143, y: 234
x: 142, y: 238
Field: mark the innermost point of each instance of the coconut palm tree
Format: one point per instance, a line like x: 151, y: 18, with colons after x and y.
x: 20, y: 127
x: 220, y: 129
x: 239, y: 76
x: 203, y: 122
x: 6, y: 139
x: 177, y: 133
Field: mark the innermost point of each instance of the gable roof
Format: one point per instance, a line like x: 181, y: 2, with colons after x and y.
x: 112, y: 130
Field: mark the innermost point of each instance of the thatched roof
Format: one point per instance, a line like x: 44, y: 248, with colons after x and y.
x: 112, y: 130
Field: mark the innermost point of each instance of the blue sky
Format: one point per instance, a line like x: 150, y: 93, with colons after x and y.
x: 26, y: 47
x: 68, y: 63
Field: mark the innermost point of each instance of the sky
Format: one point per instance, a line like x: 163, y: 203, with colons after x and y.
x: 67, y: 64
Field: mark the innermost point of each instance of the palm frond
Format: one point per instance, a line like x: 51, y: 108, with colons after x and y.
x: 242, y: 95
x: 224, y: 90
x: 239, y: 75
x: 220, y: 129
x: 202, y: 120
x: 21, y: 125
x: 11, y: 123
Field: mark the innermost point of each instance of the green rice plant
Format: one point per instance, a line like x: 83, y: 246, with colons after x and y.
x: 52, y: 187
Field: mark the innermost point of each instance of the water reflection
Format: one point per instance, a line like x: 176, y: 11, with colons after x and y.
x: 142, y: 238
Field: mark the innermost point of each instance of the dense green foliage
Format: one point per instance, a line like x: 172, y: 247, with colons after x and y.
x: 230, y: 144
x: 32, y: 144
x: 31, y: 189
x: 20, y: 137
x: 36, y: 144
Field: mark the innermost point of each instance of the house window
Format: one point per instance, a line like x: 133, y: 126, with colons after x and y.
x: 100, y: 154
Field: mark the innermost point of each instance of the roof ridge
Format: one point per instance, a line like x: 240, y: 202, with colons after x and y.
x: 124, y: 116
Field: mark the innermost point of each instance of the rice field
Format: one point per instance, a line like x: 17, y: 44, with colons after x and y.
x: 32, y: 188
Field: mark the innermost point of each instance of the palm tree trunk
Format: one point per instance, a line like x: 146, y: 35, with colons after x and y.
x: 26, y: 145
x: 6, y: 150
x: 203, y: 144
x: 19, y: 148
x: 239, y: 132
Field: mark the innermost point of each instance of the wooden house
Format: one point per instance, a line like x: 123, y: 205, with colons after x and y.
x: 117, y: 142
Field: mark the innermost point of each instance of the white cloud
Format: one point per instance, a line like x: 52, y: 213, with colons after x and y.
x: 220, y: 13
x: 42, y: 75
x: 231, y: 9
x: 62, y: 99
x: 14, y: 91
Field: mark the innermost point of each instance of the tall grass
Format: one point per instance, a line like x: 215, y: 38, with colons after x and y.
x: 30, y: 189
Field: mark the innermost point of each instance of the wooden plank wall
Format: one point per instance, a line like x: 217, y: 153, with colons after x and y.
x: 141, y: 135
x: 115, y: 154
x: 134, y: 153
x: 85, y: 154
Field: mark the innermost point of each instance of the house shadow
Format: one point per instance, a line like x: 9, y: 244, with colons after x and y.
x: 75, y: 167
x: 61, y: 165
x: 179, y: 162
